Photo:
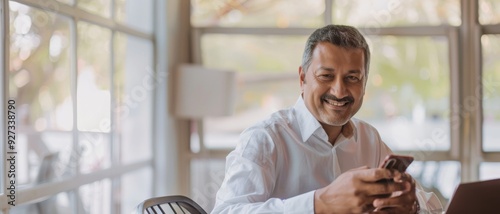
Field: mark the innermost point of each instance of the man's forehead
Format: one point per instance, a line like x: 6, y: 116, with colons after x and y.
x: 329, y: 57
x: 329, y: 47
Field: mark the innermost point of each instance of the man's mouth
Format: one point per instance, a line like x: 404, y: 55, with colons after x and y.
x: 336, y: 103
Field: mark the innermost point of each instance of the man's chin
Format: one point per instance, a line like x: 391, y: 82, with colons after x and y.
x: 335, y: 121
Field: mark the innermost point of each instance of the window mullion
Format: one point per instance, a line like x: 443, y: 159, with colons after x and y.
x: 113, y: 10
x: 491, y: 29
x: 73, y: 195
x: 455, y: 118
x: 470, y: 103
x: 328, y: 12
x: 114, y: 148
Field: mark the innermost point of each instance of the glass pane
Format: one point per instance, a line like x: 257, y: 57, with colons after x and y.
x: 489, y: 171
x: 134, y: 85
x: 39, y: 82
x: 93, y: 81
x: 408, y: 92
x: 489, y: 11
x: 255, y: 100
x: 258, y: 13
x: 253, y: 54
x: 490, y: 91
x: 96, y: 197
x: 93, y: 96
x: 135, y: 13
x: 100, y: 7
x: 384, y: 13
x: 136, y: 187
x: 40, y: 69
x: 268, y: 79
x: 94, y: 152
x: 439, y: 177
x: 47, y: 156
x: 206, y: 178
x: 59, y: 203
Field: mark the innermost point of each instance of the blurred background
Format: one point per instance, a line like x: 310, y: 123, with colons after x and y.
x: 94, y: 86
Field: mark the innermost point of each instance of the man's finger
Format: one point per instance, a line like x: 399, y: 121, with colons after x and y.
x: 405, y: 200
x: 384, y: 188
x: 359, y: 168
x: 373, y: 175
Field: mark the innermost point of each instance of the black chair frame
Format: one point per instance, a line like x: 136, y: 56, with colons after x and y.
x: 175, y: 202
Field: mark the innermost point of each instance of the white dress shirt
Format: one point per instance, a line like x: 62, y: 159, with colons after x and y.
x: 280, y: 162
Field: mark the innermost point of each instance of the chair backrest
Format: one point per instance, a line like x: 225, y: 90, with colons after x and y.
x: 176, y: 204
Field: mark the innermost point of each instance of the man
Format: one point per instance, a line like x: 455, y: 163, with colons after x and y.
x: 314, y: 157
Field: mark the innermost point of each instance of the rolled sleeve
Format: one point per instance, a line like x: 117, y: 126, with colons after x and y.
x: 428, y: 201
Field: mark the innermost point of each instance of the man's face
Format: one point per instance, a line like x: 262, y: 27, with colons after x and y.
x: 334, y: 84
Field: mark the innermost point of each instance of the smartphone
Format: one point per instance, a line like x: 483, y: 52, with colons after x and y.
x: 396, y: 162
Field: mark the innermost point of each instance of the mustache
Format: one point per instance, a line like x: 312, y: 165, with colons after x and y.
x: 333, y: 97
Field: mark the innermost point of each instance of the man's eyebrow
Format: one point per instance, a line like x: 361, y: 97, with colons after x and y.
x: 355, y: 71
x: 326, y: 69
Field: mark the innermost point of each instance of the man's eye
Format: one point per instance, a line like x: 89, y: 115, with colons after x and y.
x: 352, y: 79
x: 326, y: 76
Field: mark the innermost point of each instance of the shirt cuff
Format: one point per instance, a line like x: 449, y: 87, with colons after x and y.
x: 428, y: 202
x: 303, y: 203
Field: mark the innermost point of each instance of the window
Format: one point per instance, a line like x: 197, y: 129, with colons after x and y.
x: 418, y: 86
x: 265, y: 86
x: 488, y: 11
x: 488, y: 90
x: 82, y: 75
x: 408, y: 94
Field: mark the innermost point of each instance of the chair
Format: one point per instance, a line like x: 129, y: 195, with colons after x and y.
x: 169, y: 204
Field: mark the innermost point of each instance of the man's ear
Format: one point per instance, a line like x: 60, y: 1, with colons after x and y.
x: 302, y: 76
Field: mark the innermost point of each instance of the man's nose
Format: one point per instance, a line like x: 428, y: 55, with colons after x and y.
x: 338, y: 88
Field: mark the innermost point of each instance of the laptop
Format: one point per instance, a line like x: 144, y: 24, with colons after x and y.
x: 476, y: 197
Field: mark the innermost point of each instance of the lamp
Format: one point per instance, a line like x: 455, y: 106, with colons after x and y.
x: 202, y: 92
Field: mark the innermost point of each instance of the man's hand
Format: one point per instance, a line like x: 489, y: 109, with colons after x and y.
x: 362, y: 190
x: 399, y: 202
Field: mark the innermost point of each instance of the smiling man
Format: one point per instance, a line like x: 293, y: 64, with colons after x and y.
x: 315, y: 157
x: 337, y: 85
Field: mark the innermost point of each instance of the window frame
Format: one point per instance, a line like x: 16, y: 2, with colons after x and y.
x: 491, y: 156
x: 72, y: 184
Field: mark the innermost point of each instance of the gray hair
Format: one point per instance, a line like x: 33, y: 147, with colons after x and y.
x: 339, y: 35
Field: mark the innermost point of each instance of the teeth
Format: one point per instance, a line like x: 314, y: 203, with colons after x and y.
x: 335, y: 103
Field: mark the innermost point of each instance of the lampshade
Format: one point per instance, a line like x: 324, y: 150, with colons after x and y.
x: 203, y: 92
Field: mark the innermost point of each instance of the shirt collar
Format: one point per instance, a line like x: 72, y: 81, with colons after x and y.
x: 308, y: 123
